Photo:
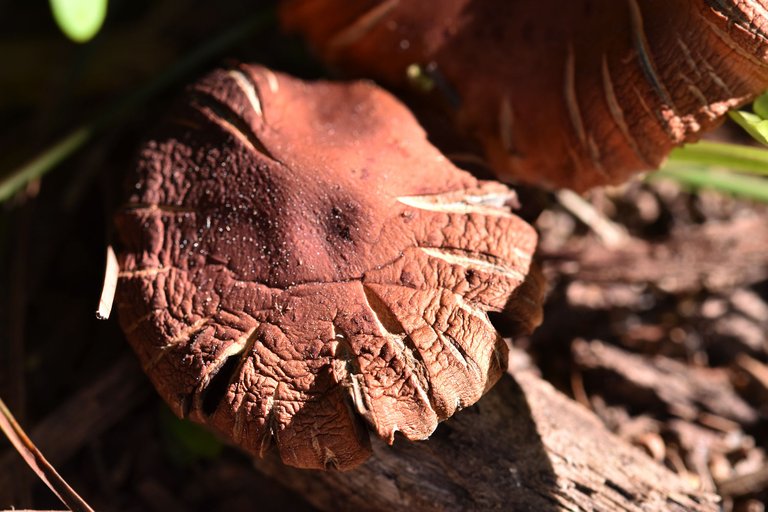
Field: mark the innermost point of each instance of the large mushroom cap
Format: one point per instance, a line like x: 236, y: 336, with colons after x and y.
x: 561, y: 93
x: 298, y: 262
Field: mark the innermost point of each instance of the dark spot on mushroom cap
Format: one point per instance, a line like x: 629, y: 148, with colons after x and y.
x: 340, y: 224
x: 274, y: 295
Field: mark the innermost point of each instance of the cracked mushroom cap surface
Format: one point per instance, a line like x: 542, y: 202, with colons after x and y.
x: 573, y: 93
x: 300, y: 266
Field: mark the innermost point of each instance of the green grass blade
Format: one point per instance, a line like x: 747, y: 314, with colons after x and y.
x: 65, y: 147
x: 748, y: 187
x: 44, y: 162
x: 719, y: 154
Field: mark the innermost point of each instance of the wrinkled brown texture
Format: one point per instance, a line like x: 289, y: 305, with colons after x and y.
x: 560, y: 93
x: 297, y: 258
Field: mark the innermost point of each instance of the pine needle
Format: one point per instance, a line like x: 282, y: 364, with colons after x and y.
x: 38, y: 463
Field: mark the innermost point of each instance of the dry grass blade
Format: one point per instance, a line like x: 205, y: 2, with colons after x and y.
x: 611, y: 234
x: 110, y: 284
x: 37, y: 462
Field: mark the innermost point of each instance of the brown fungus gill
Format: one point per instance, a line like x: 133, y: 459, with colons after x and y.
x: 299, y: 265
x: 572, y: 93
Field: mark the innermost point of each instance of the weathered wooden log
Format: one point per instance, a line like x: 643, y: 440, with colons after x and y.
x: 660, y: 383
x: 691, y: 260
x: 524, y: 446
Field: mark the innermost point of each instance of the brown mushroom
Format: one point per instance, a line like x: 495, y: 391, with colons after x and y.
x: 298, y: 262
x: 571, y: 93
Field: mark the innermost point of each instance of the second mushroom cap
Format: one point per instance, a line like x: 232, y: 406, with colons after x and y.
x: 573, y: 93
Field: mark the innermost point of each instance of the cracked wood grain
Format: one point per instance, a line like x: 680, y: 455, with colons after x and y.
x: 523, y: 447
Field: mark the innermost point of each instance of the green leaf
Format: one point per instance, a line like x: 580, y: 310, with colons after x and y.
x: 755, y: 125
x: 760, y: 106
x: 80, y: 20
x: 707, y: 153
x: 187, y: 442
x: 746, y: 187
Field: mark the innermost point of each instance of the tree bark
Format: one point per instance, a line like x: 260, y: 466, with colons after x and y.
x: 524, y: 446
